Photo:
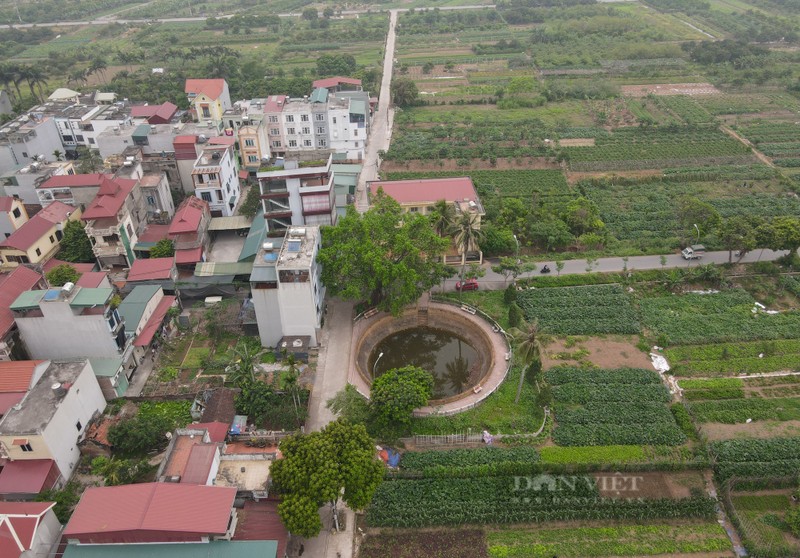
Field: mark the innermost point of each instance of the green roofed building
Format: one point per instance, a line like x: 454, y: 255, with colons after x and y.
x: 213, y: 549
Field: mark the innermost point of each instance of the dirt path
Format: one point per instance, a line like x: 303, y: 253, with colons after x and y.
x: 722, y: 517
x: 744, y: 141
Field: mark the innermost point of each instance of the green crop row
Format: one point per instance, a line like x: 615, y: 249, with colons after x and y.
x: 593, y: 454
x: 580, y: 394
x: 574, y: 375
x: 664, y: 433
x: 421, y: 460
x: 629, y: 540
x: 734, y: 358
x: 713, y: 393
x: 736, y: 411
x: 713, y: 383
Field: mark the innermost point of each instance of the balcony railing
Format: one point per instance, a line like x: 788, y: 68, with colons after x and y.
x: 108, y: 250
x: 108, y: 231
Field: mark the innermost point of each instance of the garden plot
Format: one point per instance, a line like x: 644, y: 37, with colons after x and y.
x: 761, y: 517
x: 730, y: 359
x: 669, y: 89
x: 603, y: 352
x: 606, y: 407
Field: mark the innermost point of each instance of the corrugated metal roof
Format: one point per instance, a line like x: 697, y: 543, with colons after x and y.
x: 156, y: 319
x: 229, y: 223
x: 105, y: 367
x: 358, y: 107
x: 141, y: 131
x: 29, y: 476
x: 319, y: 95
x: 213, y: 549
x: 133, y: 307
x: 254, y: 237
x: 150, y: 269
x: 183, y: 508
x: 192, y: 255
x: 91, y: 297
x: 262, y: 274
x: 12, y: 285
x: 27, y: 300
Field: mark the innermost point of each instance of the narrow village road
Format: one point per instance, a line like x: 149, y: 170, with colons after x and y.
x: 381, y: 131
x: 492, y: 280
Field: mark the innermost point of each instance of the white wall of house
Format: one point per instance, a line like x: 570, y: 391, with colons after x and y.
x: 268, y: 316
x: 13, y: 219
x: 62, y: 434
x: 47, y: 535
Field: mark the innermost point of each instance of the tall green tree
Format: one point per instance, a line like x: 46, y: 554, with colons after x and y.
x: 384, y: 256
x: 396, y: 393
x: 692, y: 211
x: 528, y: 350
x: 75, y: 245
x: 62, y: 274
x: 443, y: 217
x: 785, y: 234
x: 404, y: 92
x: 467, y: 234
x: 338, y: 463
x: 582, y: 215
x: 737, y: 233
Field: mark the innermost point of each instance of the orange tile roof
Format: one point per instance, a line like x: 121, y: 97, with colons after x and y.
x: 211, y: 88
x: 15, y: 375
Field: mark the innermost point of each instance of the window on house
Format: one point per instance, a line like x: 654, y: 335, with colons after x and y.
x: 334, y: 120
x: 79, y: 138
x: 320, y: 130
x: 212, y: 176
x: 91, y: 141
x: 201, y: 179
x: 252, y: 158
x: 273, y: 119
x: 129, y: 229
x: 206, y: 111
x: 59, y: 235
x: 356, y: 144
x: 219, y: 195
x: 320, y: 117
x: 16, y: 212
x: 205, y: 196
x: 304, y: 118
x: 8, y: 234
x: 292, y: 143
x: 321, y: 143
x: 276, y: 144
x: 52, y: 239
x: 38, y: 252
x: 25, y: 154
x: 290, y: 131
x: 274, y: 132
x: 78, y: 426
x: 306, y: 130
x: 26, y: 447
x: 151, y: 200
x: 355, y: 133
x: 307, y: 143
x: 289, y: 118
x: 249, y: 143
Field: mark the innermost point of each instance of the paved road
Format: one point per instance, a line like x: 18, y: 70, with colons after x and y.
x: 494, y: 280
x: 381, y: 130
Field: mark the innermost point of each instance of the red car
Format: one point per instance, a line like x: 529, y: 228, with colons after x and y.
x: 468, y: 285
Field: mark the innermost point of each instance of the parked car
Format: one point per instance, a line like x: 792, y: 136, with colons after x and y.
x: 693, y: 252
x: 468, y: 285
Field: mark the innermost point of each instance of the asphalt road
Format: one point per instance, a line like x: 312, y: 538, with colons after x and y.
x: 492, y: 280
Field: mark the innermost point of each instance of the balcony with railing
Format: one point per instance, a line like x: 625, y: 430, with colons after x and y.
x: 317, y: 184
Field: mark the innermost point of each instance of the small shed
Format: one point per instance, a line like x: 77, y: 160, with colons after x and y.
x: 296, y: 345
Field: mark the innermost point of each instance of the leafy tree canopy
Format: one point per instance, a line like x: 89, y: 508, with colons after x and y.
x: 75, y: 245
x: 404, y: 92
x: 383, y: 256
x: 320, y: 468
x: 251, y: 203
x: 396, y: 393
x: 62, y: 274
x: 164, y: 248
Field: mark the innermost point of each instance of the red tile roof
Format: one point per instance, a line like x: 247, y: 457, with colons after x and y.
x: 189, y: 256
x: 222, y: 140
x: 185, y: 139
x: 72, y: 181
x: 8, y: 400
x: 154, y: 507
x: 198, y: 466
x: 11, y: 286
x: 275, y: 103
x: 164, y: 111
x: 18, y: 524
x: 29, y: 476
x: 211, y: 88
x: 15, y: 375
x: 109, y: 199
x: 156, y: 318
x: 428, y: 190
x: 92, y: 279
x: 334, y: 81
x: 243, y: 174
x: 6, y: 202
x: 154, y: 233
x: 79, y: 267
x: 188, y: 215
x: 34, y: 229
x: 151, y: 269
x: 217, y: 431
x: 259, y: 521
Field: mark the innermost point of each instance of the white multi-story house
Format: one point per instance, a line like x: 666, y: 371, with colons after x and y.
x: 288, y: 294
x: 25, y: 140
x: 216, y: 179
x: 23, y: 181
x: 299, y: 194
x: 48, y: 424
x: 71, y: 322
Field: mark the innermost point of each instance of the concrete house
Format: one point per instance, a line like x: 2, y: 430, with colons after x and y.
x: 12, y: 215
x: 48, y: 424
x: 216, y: 179
x: 161, y: 272
x: 288, y: 294
x: 113, y: 220
x: 12, y: 285
x: 25, y: 139
x: 153, y: 513
x: 299, y: 194
x: 189, y: 231
x: 38, y: 239
x: 28, y: 529
x: 73, y: 189
x: 155, y: 114
x: 22, y: 182
x: 192, y: 457
x: 419, y: 196
x: 17, y: 377
x: 71, y: 322
x: 143, y: 312
x: 209, y: 98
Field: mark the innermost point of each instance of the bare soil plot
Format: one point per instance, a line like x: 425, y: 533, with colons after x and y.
x: 535, y: 163
x: 577, y: 142
x: 669, y: 89
x: 757, y: 429
x: 648, y: 485
x: 603, y: 352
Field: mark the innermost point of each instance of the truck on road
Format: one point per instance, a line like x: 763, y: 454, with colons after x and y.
x: 693, y: 252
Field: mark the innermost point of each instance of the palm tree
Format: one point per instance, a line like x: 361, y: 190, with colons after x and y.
x: 98, y: 66
x: 467, y: 234
x: 58, y: 154
x: 7, y: 78
x: 443, y: 216
x: 529, y: 350
x: 34, y: 77
x: 242, y: 369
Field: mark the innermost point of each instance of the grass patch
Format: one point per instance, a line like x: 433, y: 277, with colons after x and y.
x: 195, y: 357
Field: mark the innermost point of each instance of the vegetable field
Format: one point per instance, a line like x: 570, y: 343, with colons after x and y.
x: 593, y: 309
x: 729, y: 359
x: 608, y: 407
x: 771, y: 457
x: 713, y: 318
x: 778, y: 140
x: 761, y: 522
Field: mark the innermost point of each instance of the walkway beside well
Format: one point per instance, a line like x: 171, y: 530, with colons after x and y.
x: 497, y: 369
